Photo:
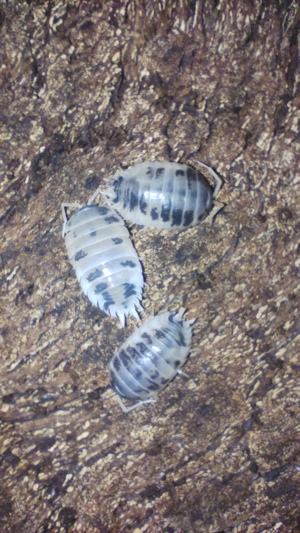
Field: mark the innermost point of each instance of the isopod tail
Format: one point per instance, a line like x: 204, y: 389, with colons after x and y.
x: 122, y: 318
x: 134, y: 313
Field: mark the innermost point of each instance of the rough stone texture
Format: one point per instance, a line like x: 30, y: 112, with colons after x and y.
x: 87, y: 87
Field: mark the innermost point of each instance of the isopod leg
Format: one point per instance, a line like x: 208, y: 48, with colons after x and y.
x: 132, y: 407
x: 64, y: 214
x: 183, y: 373
x: 217, y: 179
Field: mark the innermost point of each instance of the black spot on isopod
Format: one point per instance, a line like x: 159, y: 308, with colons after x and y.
x: 149, y: 172
x: 153, y: 386
x: 93, y: 233
x: 176, y: 217
x: 154, y: 213
x: 129, y: 290
x: 147, y: 337
x: 109, y: 300
x: 128, y: 263
x: 136, y: 356
x: 142, y: 348
x: 192, y: 186
x: 154, y: 375
x: 188, y: 218
x: 150, y: 357
x: 133, y: 200
x: 126, y: 197
x: 117, y: 188
x: 138, y: 390
x: 159, y: 334
x: 164, y: 381
x: 155, y: 360
x: 102, y: 210
x: 180, y: 340
x: 191, y: 175
x: 177, y: 363
x: 80, y: 255
x: 179, y: 173
x: 124, y: 358
x: 100, y: 287
x: 94, y: 275
x: 159, y: 172
x: 137, y: 374
x: 143, y: 204
x: 111, y: 219
x: 116, y: 363
x: 165, y: 210
x: 117, y: 240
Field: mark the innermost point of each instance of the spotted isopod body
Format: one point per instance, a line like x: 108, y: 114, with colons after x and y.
x: 163, y: 195
x: 151, y: 357
x: 104, y: 259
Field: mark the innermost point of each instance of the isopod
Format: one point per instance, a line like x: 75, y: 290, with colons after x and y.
x: 104, y: 259
x: 163, y: 195
x: 151, y: 357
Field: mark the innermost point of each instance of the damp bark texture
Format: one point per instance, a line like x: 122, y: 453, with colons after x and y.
x: 89, y: 88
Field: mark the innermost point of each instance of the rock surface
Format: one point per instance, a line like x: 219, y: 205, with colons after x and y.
x: 88, y: 87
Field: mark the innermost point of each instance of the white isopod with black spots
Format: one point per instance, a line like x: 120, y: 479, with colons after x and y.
x: 104, y: 259
x: 151, y: 357
x: 163, y: 195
